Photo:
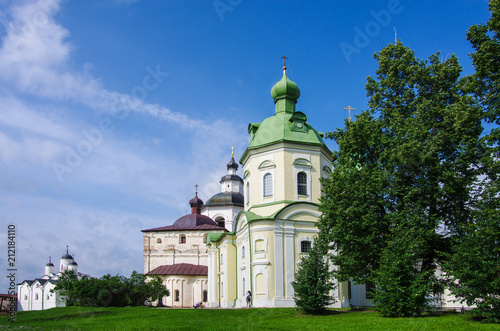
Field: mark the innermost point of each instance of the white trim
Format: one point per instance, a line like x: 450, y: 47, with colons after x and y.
x: 266, y: 262
x: 278, y: 260
x: 290, y: 261
x: 259, y: 237
x: 307, y: 171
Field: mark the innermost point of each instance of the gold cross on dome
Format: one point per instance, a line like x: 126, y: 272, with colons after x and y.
x: 349, y: 108
x: 232, y: 151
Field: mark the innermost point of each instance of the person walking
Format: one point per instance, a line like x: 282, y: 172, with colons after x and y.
x: 249, y: 298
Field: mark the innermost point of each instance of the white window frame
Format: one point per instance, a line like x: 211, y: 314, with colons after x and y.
x: 302, y: 163
x: 267, y: 185
x: 267, y: 166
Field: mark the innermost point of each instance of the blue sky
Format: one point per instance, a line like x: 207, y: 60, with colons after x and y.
x: 112, y: 110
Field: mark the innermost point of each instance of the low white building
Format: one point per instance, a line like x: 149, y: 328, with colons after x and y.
x: 36, y: 294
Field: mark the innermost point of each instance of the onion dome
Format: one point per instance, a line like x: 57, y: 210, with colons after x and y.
x: 73, y: 263
x: 196, y: 204
x: 285, y: 89
x: 195, y: 218
x: 232, y: 164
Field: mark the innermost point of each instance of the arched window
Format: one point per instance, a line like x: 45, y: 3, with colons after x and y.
x: 176, y: 295
x: 243, y: 251
x: 221, y: 222
x: 205, y: 296
x: 158, y: 241
x: 268, y: 185
x: 36, y: 296
x: 205, y: 238
x: 182, y: 239
x: 302, y: 183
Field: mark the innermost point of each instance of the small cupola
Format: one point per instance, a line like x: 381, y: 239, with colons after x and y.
x: 49, y: 267
x: 232, y: 166
x: 196, y: 204
x: 285, y: 94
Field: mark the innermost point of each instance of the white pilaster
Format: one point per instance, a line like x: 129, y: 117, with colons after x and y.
x: 278, y: 260
x: 290, y: 261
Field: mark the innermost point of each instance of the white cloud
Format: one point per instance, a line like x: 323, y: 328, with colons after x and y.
x: 16, y: 114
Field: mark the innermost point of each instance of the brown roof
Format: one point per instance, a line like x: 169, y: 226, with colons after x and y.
x: 184, y: 228
x: 180, y: 269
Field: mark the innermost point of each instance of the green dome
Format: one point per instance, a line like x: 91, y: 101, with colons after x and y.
x: 285, y: 88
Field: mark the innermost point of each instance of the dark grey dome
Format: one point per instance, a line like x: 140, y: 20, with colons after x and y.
x: 226, y: 198
x: 232, y: 164
x: 231, y: 177
x: 67, y: 257
x: 73, y: 263
x: 49, y: 264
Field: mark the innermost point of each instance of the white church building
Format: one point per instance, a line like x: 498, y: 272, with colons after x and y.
x: 36, y: 294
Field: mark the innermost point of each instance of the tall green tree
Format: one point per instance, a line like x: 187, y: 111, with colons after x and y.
x: 402, y: 178
x: 312, y: 285
x: 474, y: 266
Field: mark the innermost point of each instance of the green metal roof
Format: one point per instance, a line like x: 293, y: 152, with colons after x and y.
x: 287, y: 125
x: 283, y: 127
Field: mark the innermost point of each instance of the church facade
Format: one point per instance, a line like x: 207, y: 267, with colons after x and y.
x: 282, y: 167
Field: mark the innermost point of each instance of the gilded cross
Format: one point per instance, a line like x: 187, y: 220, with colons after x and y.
x: 349, y: 109
x: 232, y: 151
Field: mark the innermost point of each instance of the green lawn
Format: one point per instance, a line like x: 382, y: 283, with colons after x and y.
x: 142, y: 318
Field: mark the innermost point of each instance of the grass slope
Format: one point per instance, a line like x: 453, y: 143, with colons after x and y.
x: 142, y: 318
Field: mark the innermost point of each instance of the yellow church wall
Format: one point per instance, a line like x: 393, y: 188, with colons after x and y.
x: 279, y: 161
x: 228, y: 271
x: 263, y: 261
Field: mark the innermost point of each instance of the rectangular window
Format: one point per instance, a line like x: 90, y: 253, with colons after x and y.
x: 260, y: 245
x: 305, y: 246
